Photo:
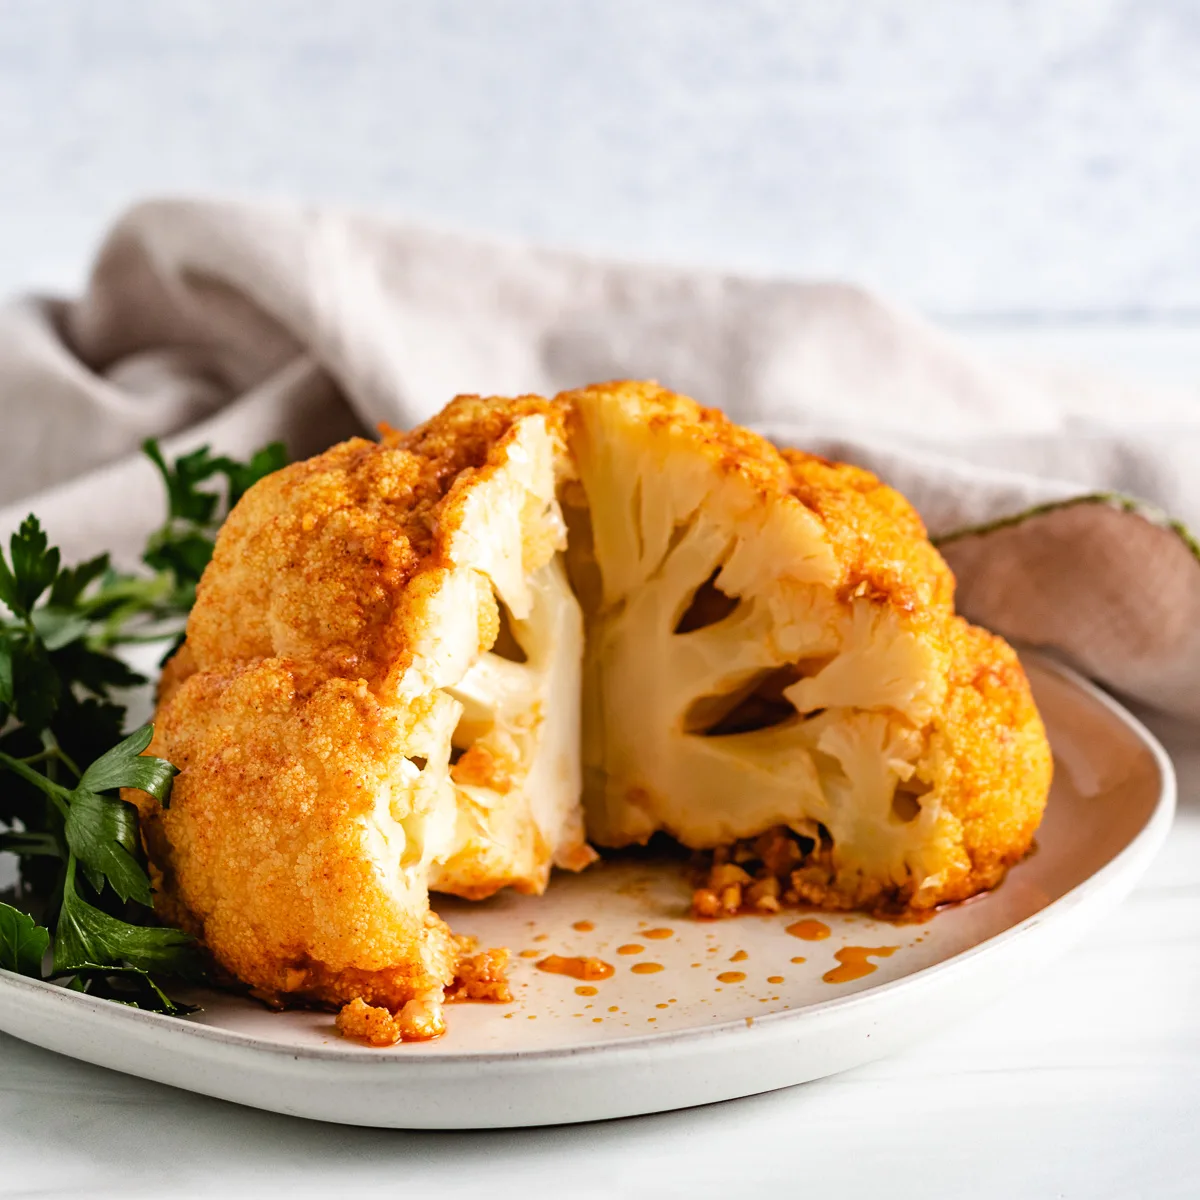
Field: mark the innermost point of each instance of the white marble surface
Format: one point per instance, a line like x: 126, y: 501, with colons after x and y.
x: 992, y: 156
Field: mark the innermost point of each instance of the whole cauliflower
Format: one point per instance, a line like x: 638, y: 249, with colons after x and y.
x: 407, y: 664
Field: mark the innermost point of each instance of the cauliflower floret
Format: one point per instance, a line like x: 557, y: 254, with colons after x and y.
x: 296, y: 842
x: 771, y: 643
x: 425, y: 572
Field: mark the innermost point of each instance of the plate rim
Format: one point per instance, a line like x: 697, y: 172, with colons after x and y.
x: 1145, y: 844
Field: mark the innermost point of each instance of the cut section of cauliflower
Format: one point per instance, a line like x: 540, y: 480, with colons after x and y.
x: 771, y: 644
x: 382, y: 676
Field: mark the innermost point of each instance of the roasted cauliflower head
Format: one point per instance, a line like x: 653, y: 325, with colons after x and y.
x: 422, y: 664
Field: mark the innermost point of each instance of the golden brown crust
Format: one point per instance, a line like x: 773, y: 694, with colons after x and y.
x: 294, y: 846
x: 879, y: 538
x: 368, y: 1023
x: 269, y: 850
x: 482, y: 976
x: 989, y: 755
x: 731, y: 449
x: 314, y: 562
x: 180, y: 667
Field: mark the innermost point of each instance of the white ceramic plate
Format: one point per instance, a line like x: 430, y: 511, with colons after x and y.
x: 645, y: 1042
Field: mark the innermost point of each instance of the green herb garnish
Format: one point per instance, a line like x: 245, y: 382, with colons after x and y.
x: 83, y: 871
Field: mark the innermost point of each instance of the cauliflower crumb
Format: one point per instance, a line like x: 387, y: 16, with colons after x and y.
x: 420, y: 1020
x: 482, y: 976
x: 368, y: 1023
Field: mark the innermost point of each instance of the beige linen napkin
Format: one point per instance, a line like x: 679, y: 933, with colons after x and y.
x: 233, y: 324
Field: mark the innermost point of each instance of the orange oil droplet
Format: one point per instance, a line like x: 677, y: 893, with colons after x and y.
x: 658, y: 934
x: 613, y: 1008
x: 583, y: 926
x: 630, y: 948
x: 530, y: 953
x: 799, y: 960
x: 774, y: 978
x: 855, y: 964
x: 662, y: 1006
x: 738, y: 956
x: 576, y: 968
x: 646, y: 968
x: 597, y: 1020
x: 732, y: 976
x: 586, y: 990
x: 809, y: 930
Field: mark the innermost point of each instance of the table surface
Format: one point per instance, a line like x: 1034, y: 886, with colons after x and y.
x: 1084, y: 1081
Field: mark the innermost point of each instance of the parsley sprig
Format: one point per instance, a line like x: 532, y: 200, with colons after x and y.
x: 83, y: 872
x: 181, y: 549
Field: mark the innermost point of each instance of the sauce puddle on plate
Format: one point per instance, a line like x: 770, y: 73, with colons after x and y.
x: 855, y: 964
x: 809, y: 930
x: 576, y: 968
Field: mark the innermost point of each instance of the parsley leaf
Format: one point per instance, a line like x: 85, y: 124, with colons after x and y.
x: 86, y: 936
x: 127, y: 985
x: 185, y: 500
x: 34, y: 566
x: 125, y: 766
x: 23, y: 942
x: 184, y: 544
x: 37, y: 687
x: 72, y: 582
x: 102, y: 834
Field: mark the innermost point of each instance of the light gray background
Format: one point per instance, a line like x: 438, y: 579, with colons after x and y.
x: 990, y: 157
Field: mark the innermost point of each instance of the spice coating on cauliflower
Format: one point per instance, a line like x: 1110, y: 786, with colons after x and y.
x: 295, y: 839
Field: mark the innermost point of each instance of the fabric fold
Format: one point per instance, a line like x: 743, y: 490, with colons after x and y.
x: 237, y: 323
